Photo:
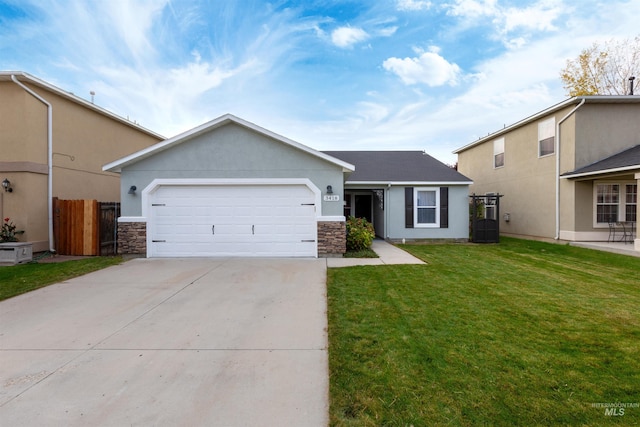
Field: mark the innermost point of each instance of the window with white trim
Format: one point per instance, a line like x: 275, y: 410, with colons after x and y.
x: 615, y: 202
x: 490, y: 206
x: 427, y: 207
x: 498, y: 153
x: 546, y: 137
x: 631, y: 202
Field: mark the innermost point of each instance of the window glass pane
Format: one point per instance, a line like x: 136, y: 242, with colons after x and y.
x: 607, y: 213
x: 630, y: 214
x: 546, y: 146
x: 426, y: 215
x: 498, y: 160
x: 631, y: 198
x: 607, y: 202
x: 426, y: 198
x: 632, y: 193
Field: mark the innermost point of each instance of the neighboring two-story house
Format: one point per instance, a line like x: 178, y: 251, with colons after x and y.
x: 53, y: 144
x: 566, y: 173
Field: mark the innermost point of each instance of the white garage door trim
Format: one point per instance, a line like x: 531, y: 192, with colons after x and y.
x: 149, y: 193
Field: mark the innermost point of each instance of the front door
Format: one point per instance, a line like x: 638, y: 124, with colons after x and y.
x: 362, y: 205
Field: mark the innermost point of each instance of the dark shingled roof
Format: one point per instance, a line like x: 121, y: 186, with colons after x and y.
x: 397, y: 166
x: 626, y: 159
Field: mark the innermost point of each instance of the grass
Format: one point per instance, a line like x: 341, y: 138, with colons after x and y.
x: 18, y: 279
x: 364, y: 253
x: 519, y: 333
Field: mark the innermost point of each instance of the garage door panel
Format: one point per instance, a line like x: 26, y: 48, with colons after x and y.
x: 233, y: 221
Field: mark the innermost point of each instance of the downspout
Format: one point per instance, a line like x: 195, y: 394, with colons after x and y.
x: 49, y: 157
x: 558, y: 165
x: 387, y: 213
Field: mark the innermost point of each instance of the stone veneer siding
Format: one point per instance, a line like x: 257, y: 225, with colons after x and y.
x: 132, y: 238
x: 332, y: 238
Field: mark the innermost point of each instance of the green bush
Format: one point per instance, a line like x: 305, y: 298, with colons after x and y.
x: 360, y: 234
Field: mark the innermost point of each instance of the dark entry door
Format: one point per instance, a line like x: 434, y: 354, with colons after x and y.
x: 363, y: 204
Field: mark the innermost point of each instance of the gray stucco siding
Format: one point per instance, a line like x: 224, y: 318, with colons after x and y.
x: 231, y: 152
x: 458, y: 215
x: 603, y: 130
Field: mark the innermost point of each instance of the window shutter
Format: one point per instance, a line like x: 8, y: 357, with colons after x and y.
x: 444, y: 207
x: 408, y: 207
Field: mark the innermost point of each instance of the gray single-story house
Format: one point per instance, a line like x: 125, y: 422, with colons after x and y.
x: 232, y: 188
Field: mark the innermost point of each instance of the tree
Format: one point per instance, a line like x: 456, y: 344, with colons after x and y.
x: 603, y: 70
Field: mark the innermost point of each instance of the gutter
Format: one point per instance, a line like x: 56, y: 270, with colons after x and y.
x: 557, y: 237
x: 49, y: 156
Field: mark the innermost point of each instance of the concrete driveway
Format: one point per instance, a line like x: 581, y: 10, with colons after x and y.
x: 228, y: 342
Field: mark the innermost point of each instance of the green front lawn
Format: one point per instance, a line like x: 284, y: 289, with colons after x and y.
x: 18, y: 279
x: 519, y: 333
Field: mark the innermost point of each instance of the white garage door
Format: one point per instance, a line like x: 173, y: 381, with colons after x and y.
x: 234, y: 220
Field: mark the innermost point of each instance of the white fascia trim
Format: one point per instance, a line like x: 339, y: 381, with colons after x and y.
x: 602, y: 172
x: 117, y: 165
x: 132, y: 219
x: 335, y: 218
x: 405, y: 183
x: 178, y: 182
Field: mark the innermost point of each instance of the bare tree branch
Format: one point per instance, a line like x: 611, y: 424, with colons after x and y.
x: 603, y: 70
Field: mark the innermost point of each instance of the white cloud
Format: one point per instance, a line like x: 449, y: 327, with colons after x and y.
x: 372, y: 112
x: 538, y: 17
x: 428, y: 68
x: 387, y: 31
x: 413, y: 4
x: 132, y: 22
x: 473, y: 8
x: 346, y: 37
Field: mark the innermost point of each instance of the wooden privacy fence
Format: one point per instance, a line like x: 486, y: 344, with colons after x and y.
x: 85, y: 227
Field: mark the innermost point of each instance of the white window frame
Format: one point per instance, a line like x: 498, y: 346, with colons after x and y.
x: 416, y: 224
x: 622, y: 201
x: 490, y: 206
x: 546, y: 130
x: 634, y: 196
x: 498, y: 148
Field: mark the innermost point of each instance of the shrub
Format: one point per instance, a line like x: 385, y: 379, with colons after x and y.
x: 8, y: 231
x: 360, y: 234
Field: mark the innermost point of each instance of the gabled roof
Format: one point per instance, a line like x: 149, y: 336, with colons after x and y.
x: 626, y: 160
x: 398, y: 167
x: 22, y: 77
x: 593, y: 99
x: 226, y: 119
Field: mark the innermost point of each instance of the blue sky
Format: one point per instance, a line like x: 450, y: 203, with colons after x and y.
x: 332, y: 74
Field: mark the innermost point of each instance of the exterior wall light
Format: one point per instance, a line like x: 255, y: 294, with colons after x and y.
x: 6, y: 184
x: 132, y: 189
x: 329, y: 189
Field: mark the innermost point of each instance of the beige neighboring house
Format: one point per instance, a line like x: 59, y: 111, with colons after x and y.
x: 566, y: 172
x: 53, y: 144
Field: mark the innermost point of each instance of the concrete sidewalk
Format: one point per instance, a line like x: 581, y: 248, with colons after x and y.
x: 166, y: 342
x: 388, y: 255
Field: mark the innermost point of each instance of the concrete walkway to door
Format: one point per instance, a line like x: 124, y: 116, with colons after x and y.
x: 166, y: 342
x: 388, y: 254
